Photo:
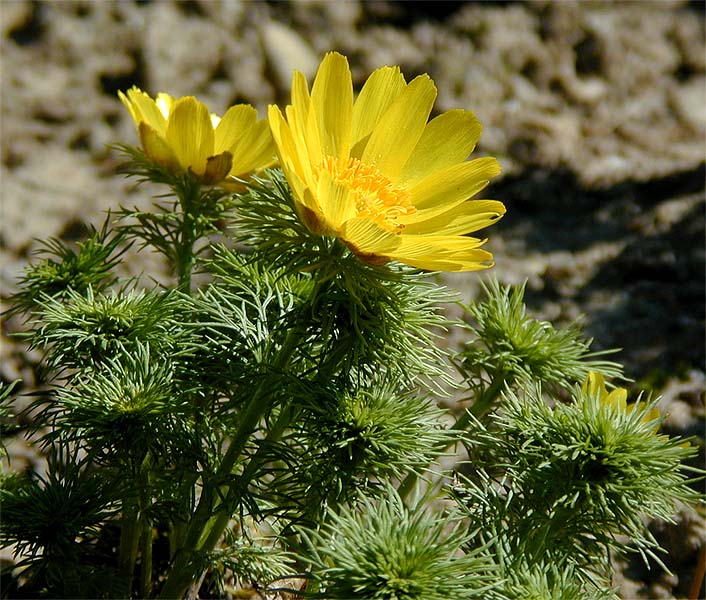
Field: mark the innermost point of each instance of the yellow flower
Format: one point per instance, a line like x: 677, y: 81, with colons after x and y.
x: 595, y: 387
x: 375, y: 174
x: 181, y: 135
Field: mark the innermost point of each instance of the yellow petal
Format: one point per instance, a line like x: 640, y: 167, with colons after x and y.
x: 302, y: 196
x: 618, y: 399
x: 248, y: 140
x: 443, y: 253
x: 232, y: 127
x: 190, y: 134
x: 654, y: 416
x: 164, y: 103
x: 312, y: 217
x: 297, y: 172
x: 256, y: 150
x: 301, y: 100
x: 332, y: 102
x: 447, y: 140
x: 470, y: 216
x: 299, y: 144
x: 304, y: 122
x: 452, y: 244
x: 335, y: 200
x: 399, y: 129
x: 367, y: 237
x: 157, y: 149
x: 136, y: 117
x: 444, y: 190
x: 287, y: 149
x: 594, y: 384
x: 144, y: 109
x: 378, y: 93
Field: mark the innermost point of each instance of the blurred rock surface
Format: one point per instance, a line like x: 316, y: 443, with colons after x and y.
x: 596, y: 111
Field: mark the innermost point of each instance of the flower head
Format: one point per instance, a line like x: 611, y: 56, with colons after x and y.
x: 595, y: 387
x: 181, y: 135
x: 374, y: 173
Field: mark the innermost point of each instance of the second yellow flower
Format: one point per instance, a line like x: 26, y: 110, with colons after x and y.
x: 181, y: 136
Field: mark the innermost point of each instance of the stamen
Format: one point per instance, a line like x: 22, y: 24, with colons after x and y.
x: 376, y: 197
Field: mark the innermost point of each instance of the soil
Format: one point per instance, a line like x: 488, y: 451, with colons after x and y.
x: 596, y: 111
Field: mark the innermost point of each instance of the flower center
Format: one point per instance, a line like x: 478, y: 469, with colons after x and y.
x: 376, y: 197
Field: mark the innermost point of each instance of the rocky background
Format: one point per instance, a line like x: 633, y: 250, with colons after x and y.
x: 596, y: 111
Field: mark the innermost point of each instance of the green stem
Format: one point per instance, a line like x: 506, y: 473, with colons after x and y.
x: 479, y: 408
x: 184, y: 570
x: 129, y: 540
x: 219, y: 525
x: 146, y: 568
x: 482, y: 405
x: 189, y: 196
x: 146, y: 533
x: 177, y: 532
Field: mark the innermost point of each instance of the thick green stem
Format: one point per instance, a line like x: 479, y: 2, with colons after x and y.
x: 133, y: 535
x: 146, y: 533
x: 184, y: 252
x: 129, y: 541
x: 146, y: 567
x: 177, y: 534
x: 183, y: 570
x: 203, y: 528
x: 221, y: 522
x: 482, y: 405
x: 479, y: 408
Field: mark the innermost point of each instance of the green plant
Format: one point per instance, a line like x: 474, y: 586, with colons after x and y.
x: 275, y: 423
